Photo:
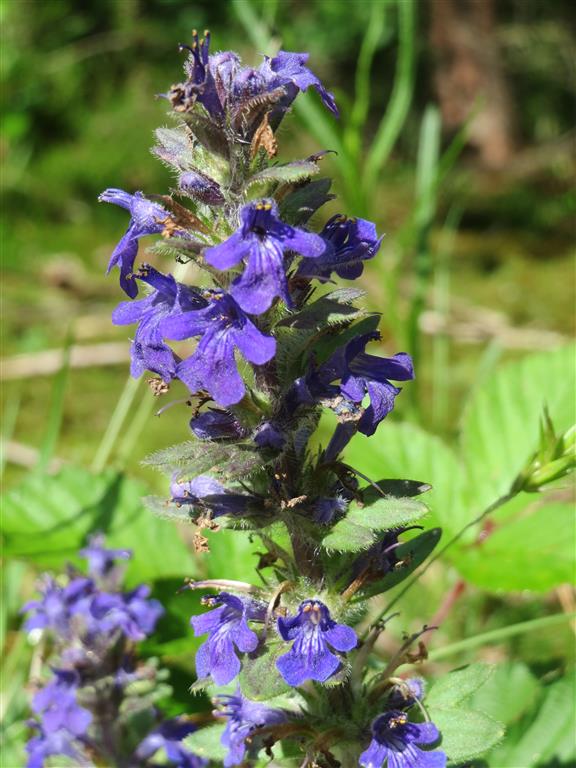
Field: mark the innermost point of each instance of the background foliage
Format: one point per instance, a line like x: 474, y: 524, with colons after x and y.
x: 474, y: 278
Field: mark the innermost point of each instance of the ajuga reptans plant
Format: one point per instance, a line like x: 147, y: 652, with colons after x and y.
x: 99, y: 705
x: 266, y: 343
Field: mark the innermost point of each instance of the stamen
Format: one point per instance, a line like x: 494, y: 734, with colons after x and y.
x: 180, y: 400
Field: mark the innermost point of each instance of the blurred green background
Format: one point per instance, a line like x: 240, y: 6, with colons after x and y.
x: 456, y: 136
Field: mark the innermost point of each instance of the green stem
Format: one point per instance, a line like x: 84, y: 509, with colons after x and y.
x: 495, y: 635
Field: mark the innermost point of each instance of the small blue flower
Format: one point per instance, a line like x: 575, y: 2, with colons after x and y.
x: 313, y: 631
x: 351, y: 242
x: 222, y: 326
x: 168, y: 737
x: 58, y: 604
x: 288, y: 69
x: 362, y: 374
x: 227, y: 626
x: 404, y: 695
x: 52, y: 744
x: 222, y: 85
x: 215, y: 424
x: 130, y: 613
x: 168, y: 299
x: 268, y: 435
x: 102, y: 561
x: 207, y: 493
x: 262, y: 240
x: 359, y: 375
x: 244, y: 717
x: 209, y: 78
x: 395, y: 743
x: 326, y: 508
x: 147, y: 218
x: 57, y: 705
x: 201, y: 187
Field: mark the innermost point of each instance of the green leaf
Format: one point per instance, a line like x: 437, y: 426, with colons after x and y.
x: 534, y: 551
x: 452, y: 689
x: 259, y: 678
x: 333, y: 309
x: 325, y: 347
x: 47, y: 519
x: 501, y: 425
x: 546, y: 738
x: 412, y: 554
x: 358, y: 529
x: 291, y: 172
x: 416, y: 453
x: 205, y: 742
x: 348, y: 537
x: 508, y: 693
x: 465, y: 733
x: 386, y: 512
x: 196, y: 457
x: 299, y: 205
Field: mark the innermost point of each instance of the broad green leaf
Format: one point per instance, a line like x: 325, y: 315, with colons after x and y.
x: 205, y: 742
x: 348, y: 537
x: 508, y: 693
x: 546, y: 738
x: 535, y: 551
x: 465, y: 733
x: 452, y: 689
x: 386, y: 512
x: 501, y: 424
x: 359, y: 528
x: 47, y: 519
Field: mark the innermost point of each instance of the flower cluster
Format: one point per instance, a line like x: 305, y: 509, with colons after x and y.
x: 98, y: 690
x: 262, y: 341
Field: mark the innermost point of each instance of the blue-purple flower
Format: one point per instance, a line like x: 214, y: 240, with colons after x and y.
x: 359, y: 375
x: 244, y: 717
x: 268, y: 435
x: 221, y: 84
x: 131, y: 613
x: 214, y: 424
x: 326, y: 508
x: 52, y: 744
x: 406, y: 693
x: 222, y: 327
x: 227, y: 628
x: 147, y: 218
x: 313, y: 631
x: 351, y: 242
x: 168, y: 299
x: 206, y: 493
x: 58, y: 707
x: 288, y: 70
x: 261, y: 241
x: 168, y: 738
x: 58, y: 604
x: 396, y: 741
x: 102, y: 561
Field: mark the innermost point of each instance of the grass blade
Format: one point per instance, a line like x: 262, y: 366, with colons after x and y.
x: 393, y: 120
x: 115, y: 424
x: 56, y: 410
